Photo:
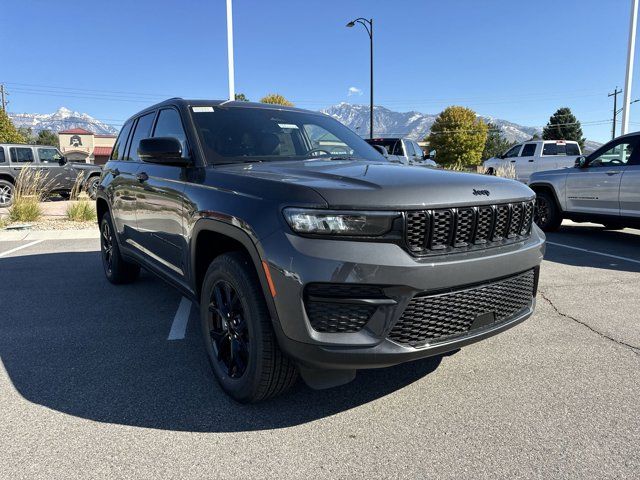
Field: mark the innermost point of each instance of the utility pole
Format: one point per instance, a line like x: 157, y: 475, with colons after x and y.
x: 615, y: 110
x: 4, y: 101
x: 368, y: 25
x: 629, y: 76
x: 232, y: 86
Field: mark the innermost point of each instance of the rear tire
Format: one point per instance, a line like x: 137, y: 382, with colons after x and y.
x: 547, y: 214
x: 116, y: 269
x: 238, y: 335
x: 91, y: 187
x: 7, y: 191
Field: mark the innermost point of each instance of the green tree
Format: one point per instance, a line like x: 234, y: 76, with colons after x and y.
x: 27, y: 134
x: 47, y: 137
x: 495, y: 144
x: 458, y: 136
x: 241, y: 97
x: 563, y: 125
x: 8, y: 132
x: 276, y: 99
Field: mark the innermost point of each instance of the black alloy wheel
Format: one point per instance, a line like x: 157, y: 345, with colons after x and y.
x: 106, y: 240
x: 546, y: 214
x: 228, y: 329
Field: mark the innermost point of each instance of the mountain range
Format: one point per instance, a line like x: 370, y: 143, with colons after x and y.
x: 61, y: 119
x: 415, y: 125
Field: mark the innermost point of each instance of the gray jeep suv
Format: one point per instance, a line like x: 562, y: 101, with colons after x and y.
x: 58, y: 175
x: 307, y: 261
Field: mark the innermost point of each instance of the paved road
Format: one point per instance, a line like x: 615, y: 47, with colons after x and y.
x: 90, y: 386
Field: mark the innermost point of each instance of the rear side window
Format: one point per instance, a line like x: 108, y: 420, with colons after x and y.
x: 554, y: 149
x: 118, y: 149
x: 142, y: 130
x: 169, y: 125
x: 529, y: 150
x: 2, y: 157
x: 572, y: 149
x: 21, y: 155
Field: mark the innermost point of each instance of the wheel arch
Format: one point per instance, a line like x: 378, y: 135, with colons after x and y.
x: 547, y: 187
x: 211, y: 238
x: 102, y: 207
x: 8, y: 178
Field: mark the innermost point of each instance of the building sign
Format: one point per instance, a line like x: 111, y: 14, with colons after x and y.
x: 75, y: 141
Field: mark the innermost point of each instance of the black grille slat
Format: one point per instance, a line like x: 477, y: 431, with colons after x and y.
x: 465, y: 220
x: 432, y: 318
x: 441, y: 229
x: 444, y: 230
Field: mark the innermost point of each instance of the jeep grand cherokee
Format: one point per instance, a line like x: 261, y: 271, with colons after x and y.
x: 306, y: 261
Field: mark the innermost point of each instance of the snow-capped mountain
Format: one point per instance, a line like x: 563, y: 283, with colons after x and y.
x: 62, y: 119
x: 414, y: 125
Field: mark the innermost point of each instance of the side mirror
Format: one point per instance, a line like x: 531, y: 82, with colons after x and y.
x: 162, y: 150
x: 62, y: 161
x: 581, y: 162
x: 381, y: 150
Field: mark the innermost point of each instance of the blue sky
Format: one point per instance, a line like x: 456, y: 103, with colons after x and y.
x: 510, y: 59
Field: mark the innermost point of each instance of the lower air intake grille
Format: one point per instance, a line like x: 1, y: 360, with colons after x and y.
x: 438, y: 317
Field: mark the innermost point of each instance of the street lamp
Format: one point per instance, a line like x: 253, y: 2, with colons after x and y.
x: 368, y: 25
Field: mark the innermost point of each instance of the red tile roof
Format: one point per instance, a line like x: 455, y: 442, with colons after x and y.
x: 77, y: 131
x: 102, y: 151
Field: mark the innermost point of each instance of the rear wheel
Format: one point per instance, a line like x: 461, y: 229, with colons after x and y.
x: 238, y: 335
x: 6, y: 193
x: 116, y: 269
x: 547, y: 214
x: 91, y: 186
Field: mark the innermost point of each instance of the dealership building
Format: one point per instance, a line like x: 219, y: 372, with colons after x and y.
x: 80, y: 145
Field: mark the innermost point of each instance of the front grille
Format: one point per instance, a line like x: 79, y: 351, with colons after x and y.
x: 436, y: 317
x: 329, y: 311
x: 429, y: 232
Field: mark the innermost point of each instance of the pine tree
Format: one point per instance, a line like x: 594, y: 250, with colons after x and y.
x: 495, y: 144
x: 459, y: 137
x: 563, y: 125
x: 241, y: 97
x: 47, y: 137
x: 8, y: 132
x: 276, y: 99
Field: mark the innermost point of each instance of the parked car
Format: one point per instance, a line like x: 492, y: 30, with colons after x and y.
x: 535, y: 156
x: 59, y: 176
x: 306, y: 261
x: 403, y: 150
x: 604, y: 187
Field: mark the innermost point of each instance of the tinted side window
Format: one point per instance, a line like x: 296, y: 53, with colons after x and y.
x: 572, y: 149
x: 529, y: 150
x: 512, y: 152
x: 118, y: 149
x: 143, y: 130
x: 21, y: 155
x: 418, y: 150
x: 553, y: 149
x: 169, y: 125
x: 49, y: 155
x: 2, y: 158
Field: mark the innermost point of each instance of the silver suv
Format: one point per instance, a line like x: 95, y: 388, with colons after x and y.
x: 602, y: 188
x: 58, y: 174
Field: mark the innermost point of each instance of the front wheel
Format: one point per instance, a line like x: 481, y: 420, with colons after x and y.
x: 238, y: 335
x: 6, y: 193
x: 547, y: 214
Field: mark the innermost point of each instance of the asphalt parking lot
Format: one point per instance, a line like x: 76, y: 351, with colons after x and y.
x: 98, y: 381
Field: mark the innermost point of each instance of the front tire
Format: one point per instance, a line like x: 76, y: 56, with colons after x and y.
x: 547, y: 214
x: 116, y: 269
x: 7, y: 190
x: 238, y: 335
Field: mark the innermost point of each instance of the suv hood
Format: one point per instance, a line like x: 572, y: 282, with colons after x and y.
x: 371, y: 185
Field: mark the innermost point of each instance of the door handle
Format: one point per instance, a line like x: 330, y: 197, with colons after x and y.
x: 531, y: 160
x: 142, y: 177
x: 613, y: 172
x: 512, y: 161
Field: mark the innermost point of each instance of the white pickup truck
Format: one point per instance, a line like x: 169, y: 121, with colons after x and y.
x: 534, y: 156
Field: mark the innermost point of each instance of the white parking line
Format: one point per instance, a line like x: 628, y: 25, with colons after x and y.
x: 179, y: 326
x: 13, y: 250
x: 617, y: 257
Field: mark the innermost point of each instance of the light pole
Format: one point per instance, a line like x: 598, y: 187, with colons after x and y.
x: 232, y: 87
x: 368, y: 25
x: 630, y: 56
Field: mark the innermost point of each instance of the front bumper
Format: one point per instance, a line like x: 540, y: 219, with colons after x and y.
x: 295, y: 262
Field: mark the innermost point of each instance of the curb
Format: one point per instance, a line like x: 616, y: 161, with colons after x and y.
x: 19, y: 235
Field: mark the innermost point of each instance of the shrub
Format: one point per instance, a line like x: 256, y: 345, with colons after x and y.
x: 29, y: 192
x: 3, y: 223
x: 506, y: 171
x: 81, y: 211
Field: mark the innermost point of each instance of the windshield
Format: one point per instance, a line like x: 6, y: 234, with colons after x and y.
x: 241, y: 134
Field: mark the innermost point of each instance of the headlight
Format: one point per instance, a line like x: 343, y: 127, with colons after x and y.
x: 331, y: 222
